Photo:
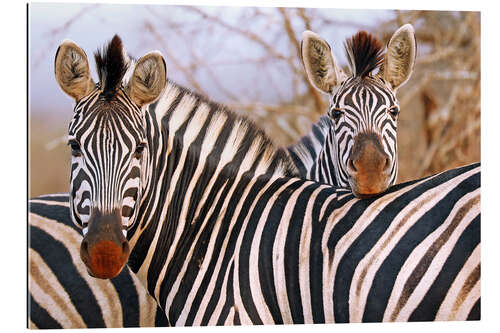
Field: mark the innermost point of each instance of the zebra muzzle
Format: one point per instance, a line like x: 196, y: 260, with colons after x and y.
x: 106, y: 259
x: 104, y: 249
x: 368, y: 166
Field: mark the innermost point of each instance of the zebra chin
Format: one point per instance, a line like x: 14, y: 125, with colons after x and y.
x: 368, y: 187
x: 104, y: 249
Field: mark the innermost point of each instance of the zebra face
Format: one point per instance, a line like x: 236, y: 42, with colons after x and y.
x: 363, y: 134
x: 108, y: 144
x: 109, y: 148
x: 363, y: 107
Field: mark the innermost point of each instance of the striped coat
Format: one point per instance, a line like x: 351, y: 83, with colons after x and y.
x: 61, y: 293
x: 218, y: 239
x: 424, y: 265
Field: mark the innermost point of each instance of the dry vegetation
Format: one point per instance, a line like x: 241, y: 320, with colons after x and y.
x: 49, y: 156
x: 440, y: 122
x: 439, y: 126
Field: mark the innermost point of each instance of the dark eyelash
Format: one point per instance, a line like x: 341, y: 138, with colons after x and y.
x: 336, y: 113
x: 139, y: 150
x: 75, y: 147
x: 393, y: 111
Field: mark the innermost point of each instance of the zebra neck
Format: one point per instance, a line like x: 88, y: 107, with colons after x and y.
x: 196, y: 151
x: 323, y: 168
x: 313, y: 155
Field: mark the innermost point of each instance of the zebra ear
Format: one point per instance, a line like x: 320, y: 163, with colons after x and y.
x: 400, y: 57
x: 148, y: 80
x: 72, y: 70
x: 319, y: 63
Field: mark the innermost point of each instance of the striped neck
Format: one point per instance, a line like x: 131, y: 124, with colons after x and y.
x: 323, y: 169
x: 313, y: 154
x: 195, y: 145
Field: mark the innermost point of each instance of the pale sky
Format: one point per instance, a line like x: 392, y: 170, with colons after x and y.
x: 91, y: 26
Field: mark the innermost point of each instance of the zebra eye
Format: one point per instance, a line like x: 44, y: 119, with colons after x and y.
x: 336, y: 113
x: 139, y: 150
x: 393, y: 111
x: 75, y: 148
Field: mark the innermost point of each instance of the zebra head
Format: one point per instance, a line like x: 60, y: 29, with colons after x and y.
x: 363, y: 106
x: 109, y: 150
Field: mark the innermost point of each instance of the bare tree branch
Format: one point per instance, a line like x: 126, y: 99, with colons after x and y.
x: 188, y: 74
x: 318, y: 100
x: 55, y: 33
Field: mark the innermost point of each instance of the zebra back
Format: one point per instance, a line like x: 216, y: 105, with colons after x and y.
x: 292, y: 251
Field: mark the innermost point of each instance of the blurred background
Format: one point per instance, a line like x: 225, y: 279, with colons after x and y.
x: 248, y: 58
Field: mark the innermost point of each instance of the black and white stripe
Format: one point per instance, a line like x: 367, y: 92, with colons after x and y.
x: 223, y: 236
x: 364, y: 110
x: 305, y: 154
x: 411, y: 254
x: 62, y: 294
x: 361, y: 103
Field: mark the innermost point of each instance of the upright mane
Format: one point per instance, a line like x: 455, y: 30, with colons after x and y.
x: 114, y: 67
x: 364, y: 53
x: 111, y: 66
x: 250, y: 139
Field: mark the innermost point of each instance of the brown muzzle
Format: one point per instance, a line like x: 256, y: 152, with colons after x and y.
x: 368, y: 166
x: 104, y: 249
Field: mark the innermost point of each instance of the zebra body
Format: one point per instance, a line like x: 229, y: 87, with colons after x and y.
x: 219, y: 234
x: 359, y: 276
x: 62, y: 294
x: 284, y: 252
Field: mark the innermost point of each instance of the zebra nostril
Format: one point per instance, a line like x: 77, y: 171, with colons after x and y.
x: 85, y: 247
x: 352, y: 168
x: 125, y: 248
x: 387, y: 164
x: 84, y: 252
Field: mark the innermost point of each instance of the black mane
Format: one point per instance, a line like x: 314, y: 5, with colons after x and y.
x: 111, y: 66
x: 364, y: 53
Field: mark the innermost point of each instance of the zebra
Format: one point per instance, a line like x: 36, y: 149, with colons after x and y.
x: 95, y: 316
x: 50, y: 217
x: 218, y: 230
x: 117, y: 111
x: 61, y: 293
x: 355, y: 145
x: 37, y: 310
x: 42, y: 211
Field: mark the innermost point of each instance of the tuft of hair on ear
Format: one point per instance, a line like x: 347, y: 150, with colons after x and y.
x: 111, y: 66
x: 364, y: 52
